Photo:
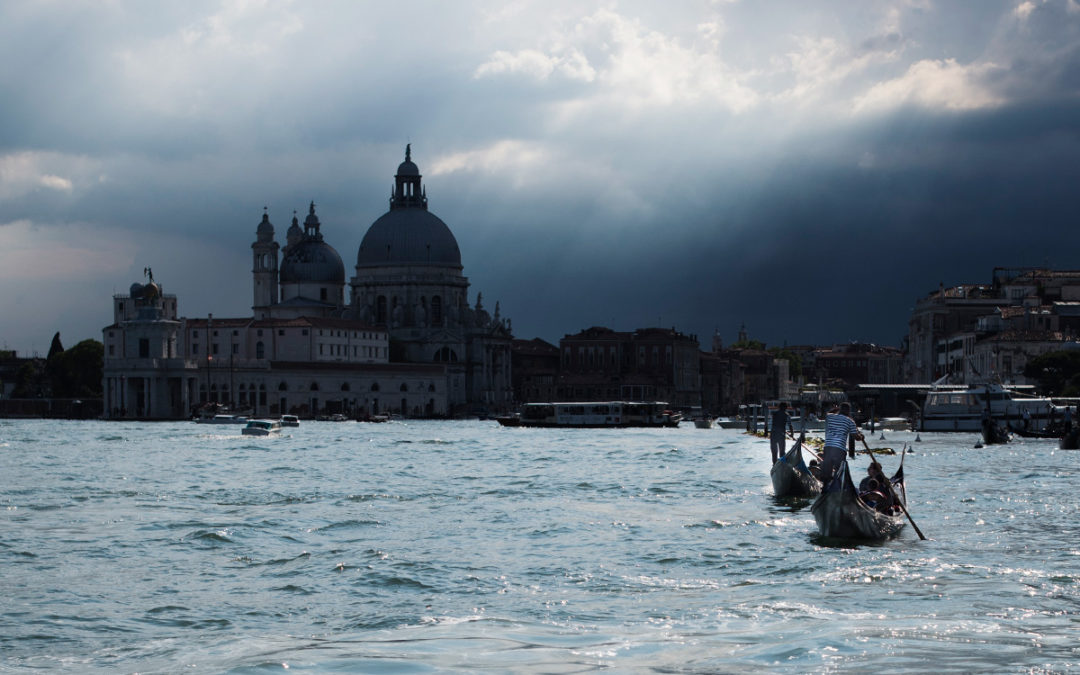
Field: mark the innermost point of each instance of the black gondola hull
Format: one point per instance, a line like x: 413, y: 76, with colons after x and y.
x: 791, y: 478
x: 841, y: 514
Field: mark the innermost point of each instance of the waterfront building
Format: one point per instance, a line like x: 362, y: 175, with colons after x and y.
x: 974, y: 332
x: 856, y: 363
x: 535, y: 370
x: 405, y: 340
x: 646, y: 364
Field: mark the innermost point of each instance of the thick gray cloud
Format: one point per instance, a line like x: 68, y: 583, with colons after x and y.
x: 809, y: 170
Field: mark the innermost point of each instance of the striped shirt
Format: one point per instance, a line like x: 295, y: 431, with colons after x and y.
x: 837, y: 429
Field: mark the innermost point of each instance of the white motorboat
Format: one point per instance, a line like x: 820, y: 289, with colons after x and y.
x: 262, y: 428
x: 964, y: 409
x: 222, y: 419
x: 290, y: 421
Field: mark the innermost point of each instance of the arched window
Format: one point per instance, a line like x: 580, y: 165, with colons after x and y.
x: 260, y: 350
x: 431, y: 387
x: 283, y: 386
x: 404, y: 387
x: 344, y: 386
x: 314, y: 386
x: 445, y: 355
x: 374, y: 386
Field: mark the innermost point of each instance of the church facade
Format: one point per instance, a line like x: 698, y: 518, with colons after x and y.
x: 400, y: 337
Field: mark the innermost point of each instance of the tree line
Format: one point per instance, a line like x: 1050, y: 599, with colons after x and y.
x: 64, y: 373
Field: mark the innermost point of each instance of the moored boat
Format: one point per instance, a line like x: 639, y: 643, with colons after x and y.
x: 222, y: 419
x: 790, y: 475
x: 963, y: 410
x: 261, y: 428
x: 290, y: 421
x: 841, y: 513
x: 594, y: 415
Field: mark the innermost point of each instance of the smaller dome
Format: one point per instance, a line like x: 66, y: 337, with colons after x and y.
x: 294, y: 229
x: 265, y: 226
x: 148, y: 293
x: 312, y: 261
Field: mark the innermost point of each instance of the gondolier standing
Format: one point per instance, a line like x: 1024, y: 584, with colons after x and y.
x: 781, y: 423
x: 838, y: 427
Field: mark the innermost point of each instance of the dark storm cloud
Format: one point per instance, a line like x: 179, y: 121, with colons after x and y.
x: 621, y: 164
x: 832, y: 251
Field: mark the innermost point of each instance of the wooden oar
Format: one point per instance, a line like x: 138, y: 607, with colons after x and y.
x: 892, y: 493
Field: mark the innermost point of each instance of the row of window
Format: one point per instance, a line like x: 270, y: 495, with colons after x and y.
x: 314, y: 386
x: 593, y: 356
x: 342, y: 350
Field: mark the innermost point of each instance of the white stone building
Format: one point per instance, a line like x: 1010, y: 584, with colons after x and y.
x: 408, y: 342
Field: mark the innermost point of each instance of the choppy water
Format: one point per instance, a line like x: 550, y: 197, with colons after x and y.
x: 427, y: 547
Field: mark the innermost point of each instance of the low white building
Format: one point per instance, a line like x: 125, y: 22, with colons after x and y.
x: 158, y: 366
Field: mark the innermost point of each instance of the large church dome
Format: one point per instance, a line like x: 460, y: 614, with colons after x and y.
x: 408, y: 233
x: 405, y: 236
x: 311, y: 260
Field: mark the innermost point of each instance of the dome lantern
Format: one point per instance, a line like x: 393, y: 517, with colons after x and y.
x: 408, y: 234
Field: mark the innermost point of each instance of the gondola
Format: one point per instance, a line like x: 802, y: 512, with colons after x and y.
x: 994, y: 433
x: 841, y: 513
x: 1052, y: 430
x: 1071, y: 439
x: 791, y: 478
x: 1028, y: 433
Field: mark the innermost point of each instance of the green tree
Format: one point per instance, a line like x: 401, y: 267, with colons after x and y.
x: 794, y: 360
x: 1057, y: 373
x: 30, y: 380
x: 56, y: 347
x: 77, y: 372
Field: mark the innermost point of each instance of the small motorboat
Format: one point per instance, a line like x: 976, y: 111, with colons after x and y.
x: 262, y: 428
x: 290, y: 421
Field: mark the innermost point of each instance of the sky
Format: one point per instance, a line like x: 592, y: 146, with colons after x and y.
x: 805, y: 170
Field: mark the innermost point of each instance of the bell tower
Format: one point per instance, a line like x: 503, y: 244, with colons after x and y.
x: 264, y: 271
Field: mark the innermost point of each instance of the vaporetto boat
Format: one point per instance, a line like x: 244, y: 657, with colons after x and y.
x: 594, y: 415
x: 963, y: 410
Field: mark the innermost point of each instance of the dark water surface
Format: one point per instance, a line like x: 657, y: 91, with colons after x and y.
x: 427, y: 547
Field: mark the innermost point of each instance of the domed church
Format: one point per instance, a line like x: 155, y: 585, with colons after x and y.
x: 407, y: 328
x: 409, y: 279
